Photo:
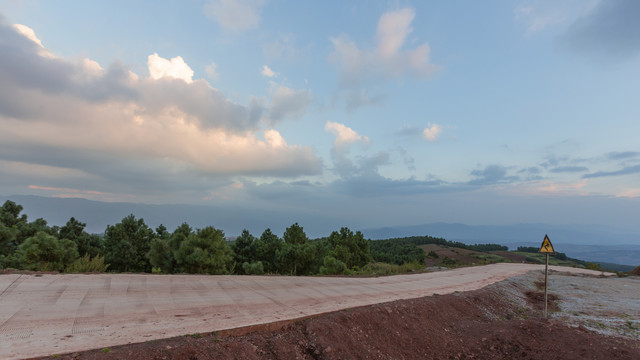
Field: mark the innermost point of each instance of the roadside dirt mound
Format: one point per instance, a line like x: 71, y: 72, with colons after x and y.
x: 497, y: 322
x: 635, y: 271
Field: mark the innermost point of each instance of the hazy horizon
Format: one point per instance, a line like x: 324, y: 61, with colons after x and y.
x: 97, y: 215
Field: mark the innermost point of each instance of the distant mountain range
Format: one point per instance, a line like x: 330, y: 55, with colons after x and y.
x: 586, y: 242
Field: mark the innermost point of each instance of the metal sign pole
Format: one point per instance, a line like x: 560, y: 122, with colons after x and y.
x: 547, y: 249
x: 546, y: 271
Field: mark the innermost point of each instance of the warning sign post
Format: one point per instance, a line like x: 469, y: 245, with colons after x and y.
x: 546, y: 248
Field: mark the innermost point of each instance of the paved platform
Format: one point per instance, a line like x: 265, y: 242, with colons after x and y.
x: 51, y: 314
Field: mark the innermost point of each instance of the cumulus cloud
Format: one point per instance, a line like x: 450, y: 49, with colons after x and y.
x: 31, y: 35
x: 363, y: 67
x: 345, y: 136
x: 175, y: 68
x: 212, y: 71
x: 266, y: 71
x: 432, y: 132
x: 236, y: 15
x: 113, y: 125
x: 393, y: 28
x: 388, y: 59
x: 288, y: 103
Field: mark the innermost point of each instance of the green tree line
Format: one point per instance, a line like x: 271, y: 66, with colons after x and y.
x: 132, y: 246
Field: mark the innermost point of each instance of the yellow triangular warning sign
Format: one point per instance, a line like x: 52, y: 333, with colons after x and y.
x: 546, y: 246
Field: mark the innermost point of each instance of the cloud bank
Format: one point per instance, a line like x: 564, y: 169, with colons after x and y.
x: 74, y: 114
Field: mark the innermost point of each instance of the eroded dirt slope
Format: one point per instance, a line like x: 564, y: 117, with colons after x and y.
x: 501, y: 321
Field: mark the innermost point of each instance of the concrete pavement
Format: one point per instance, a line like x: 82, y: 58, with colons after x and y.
x: 48, y: 314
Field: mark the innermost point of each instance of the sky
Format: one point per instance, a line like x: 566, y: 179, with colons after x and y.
x: 359, y: 113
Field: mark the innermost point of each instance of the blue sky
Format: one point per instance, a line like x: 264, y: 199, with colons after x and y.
x: 362, y: 113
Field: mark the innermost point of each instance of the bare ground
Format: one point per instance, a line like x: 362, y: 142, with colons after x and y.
x: 500, y: 321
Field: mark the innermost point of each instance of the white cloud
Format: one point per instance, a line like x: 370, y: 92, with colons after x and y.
x: 175, y: 68
x: 432, y: 132
x: 350, y: 59
x: 266, y: 71
x: 361, y: 68
x: 387, y: 60
x: 236, y: 15
x: 28, y: 33
x: 345, y: 136
x: 287, y: 103
x: 212, y: 71
x: 393, y: 28
x: 112, y: 124
x: 31, y: 35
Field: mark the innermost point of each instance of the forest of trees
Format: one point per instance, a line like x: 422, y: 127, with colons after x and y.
x: 132, y: 246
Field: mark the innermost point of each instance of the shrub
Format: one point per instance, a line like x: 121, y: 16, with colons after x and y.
x: 530, y: 259
x: 44, y: 252
x: 253, y: 268
x: 87, y: 264
x: 594, y: 266
x: 333, y: 266
x: 449, y: 262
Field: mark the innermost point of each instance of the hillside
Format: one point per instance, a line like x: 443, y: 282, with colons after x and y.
x: 592, y: 243
x: 448, y: 256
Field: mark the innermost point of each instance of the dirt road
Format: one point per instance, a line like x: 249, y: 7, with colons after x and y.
x: 49, y: 314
